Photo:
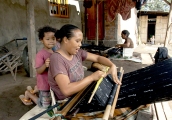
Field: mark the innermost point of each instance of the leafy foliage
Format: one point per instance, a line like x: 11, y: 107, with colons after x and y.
x: 156, y: 5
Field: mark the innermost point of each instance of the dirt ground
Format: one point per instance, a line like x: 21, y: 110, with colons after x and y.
x: 11, y: 108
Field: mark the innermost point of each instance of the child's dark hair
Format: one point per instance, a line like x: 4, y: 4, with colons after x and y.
x: 43, y: 30
x: 125, y: 32
x: 65, y: 31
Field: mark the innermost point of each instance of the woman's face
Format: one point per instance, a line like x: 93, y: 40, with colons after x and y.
x: 74, y: 43
x: 123, y: 36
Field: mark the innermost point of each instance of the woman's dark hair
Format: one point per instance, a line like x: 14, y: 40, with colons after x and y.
x: 125, y: 32
x: 65, y: 31
x: 43, y: 30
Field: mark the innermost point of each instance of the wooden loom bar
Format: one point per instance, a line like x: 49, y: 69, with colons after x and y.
x: 71, y: 103
x: 115, y: 99
x: 115, y: 92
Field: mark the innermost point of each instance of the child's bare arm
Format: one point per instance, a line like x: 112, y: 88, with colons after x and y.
x: 43, y: 67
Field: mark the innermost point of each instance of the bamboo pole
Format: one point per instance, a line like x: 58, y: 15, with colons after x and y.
x: 116, y: 97
x: 65, y: 110
x: 111, y: 107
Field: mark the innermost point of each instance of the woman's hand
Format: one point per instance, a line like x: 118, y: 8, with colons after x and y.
x: 118, y: 46
x: 97, y: 75
x: 113, y: 72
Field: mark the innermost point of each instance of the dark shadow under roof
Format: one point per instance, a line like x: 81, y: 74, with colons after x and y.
x: 158, y: 13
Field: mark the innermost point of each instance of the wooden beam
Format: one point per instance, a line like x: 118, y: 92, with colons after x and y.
x: 31, y: 36
x: 167, y: 2
x: 97, y: 23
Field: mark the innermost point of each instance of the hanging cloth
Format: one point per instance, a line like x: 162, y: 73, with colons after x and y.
x: 122, y: 7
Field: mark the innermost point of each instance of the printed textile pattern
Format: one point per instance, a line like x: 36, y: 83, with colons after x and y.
x: 122, y: 7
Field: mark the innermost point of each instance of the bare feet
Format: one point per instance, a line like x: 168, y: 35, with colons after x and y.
x: 25, y: 101
x: 31, y: 90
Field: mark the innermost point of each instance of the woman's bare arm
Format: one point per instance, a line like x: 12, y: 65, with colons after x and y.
x: 125, y: 45
x: 69, y: 88
x: 107, y: 62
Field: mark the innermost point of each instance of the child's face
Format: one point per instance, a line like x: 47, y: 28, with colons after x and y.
x: 49, y: 40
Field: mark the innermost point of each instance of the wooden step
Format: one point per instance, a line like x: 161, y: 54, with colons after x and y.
x: 163, y: 111
x: 167, y: 110
x: 157, y: 111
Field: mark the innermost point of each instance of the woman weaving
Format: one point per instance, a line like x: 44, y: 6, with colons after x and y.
x: 128, y: 43
x: 66, y: 74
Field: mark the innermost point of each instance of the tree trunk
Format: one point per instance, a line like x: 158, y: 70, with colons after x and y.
x: 167, y: 2
x: 168, y: 26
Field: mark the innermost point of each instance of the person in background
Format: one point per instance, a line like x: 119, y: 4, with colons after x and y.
x: 66, y: 74
x: 46, y: 35
x: 128, y: 43
x: 152, y: 40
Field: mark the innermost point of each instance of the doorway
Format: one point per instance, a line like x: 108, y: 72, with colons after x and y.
x: 151, y: 27
x: 91, y: 21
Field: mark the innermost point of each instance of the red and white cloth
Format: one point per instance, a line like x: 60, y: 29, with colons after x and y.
x: 122, y: 7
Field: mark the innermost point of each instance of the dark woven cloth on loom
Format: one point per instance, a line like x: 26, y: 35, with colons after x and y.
x: 83, y: 105
x: 122, y: 7
x: 99, y: 100
x: 146, y: 85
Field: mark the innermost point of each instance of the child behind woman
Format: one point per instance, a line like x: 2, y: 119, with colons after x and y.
x: 47, y: 37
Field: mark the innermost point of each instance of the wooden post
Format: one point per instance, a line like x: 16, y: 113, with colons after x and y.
x: 97, y: 24
x: 168, y: 26
x: 31, y: 36
x: 167, y: 2
x: 117, y: 29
